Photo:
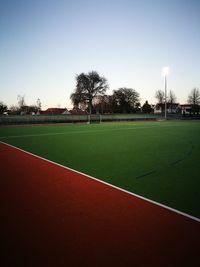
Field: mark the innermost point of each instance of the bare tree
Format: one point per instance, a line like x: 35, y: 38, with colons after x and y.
x: 39, y: 105
x: 103, y: 104
x: 22, y: 105
x: 78, y: 98
x: 88, y: 86
x: 194, y: 100
x: 160, y: 96
x: 21, y: 101
x: 171, y: 99
x: 14, y: 110
x: 194, y: 97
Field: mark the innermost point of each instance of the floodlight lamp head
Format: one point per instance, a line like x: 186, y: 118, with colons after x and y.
x: 165, y: 71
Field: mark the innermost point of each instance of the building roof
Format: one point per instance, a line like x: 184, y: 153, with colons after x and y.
x: 78, y: 111
x: 169, y: 105
x: 54, y: 111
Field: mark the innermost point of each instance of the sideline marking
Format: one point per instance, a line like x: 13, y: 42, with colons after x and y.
x: 86, y: 131
x: 105, y: 183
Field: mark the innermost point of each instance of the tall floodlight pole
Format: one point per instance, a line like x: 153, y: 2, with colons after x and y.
x: 165, y: 72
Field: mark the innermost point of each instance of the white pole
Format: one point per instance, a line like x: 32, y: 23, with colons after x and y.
x: 165, y: 97
x: 165, y: 72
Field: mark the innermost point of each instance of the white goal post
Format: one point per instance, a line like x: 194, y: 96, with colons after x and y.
x: 94, y: 118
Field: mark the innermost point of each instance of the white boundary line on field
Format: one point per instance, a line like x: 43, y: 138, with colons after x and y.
x: 110, y: 185
x: 85, y: 131
x: 71, y: 132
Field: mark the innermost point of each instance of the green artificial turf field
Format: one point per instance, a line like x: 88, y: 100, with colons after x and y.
x: 158, y: 160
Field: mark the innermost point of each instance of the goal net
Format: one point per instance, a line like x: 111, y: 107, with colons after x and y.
x: 94, y: 118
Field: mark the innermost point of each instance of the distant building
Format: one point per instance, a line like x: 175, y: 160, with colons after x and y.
x: 171, y: 108
x: 188, y: 109
x: 78, y: 111
x: 55, y: 111
x: 28, y: 110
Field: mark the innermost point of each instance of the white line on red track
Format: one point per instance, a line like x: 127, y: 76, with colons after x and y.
x: 113, y: 186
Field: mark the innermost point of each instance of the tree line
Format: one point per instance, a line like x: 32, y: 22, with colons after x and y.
x: 90, y: 94
x: 21, y: 108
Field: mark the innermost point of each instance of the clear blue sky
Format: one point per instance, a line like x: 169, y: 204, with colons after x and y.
x: 45, y: 43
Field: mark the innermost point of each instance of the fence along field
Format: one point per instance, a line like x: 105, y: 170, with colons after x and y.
x: 45, y: 119
x: 157, y: 160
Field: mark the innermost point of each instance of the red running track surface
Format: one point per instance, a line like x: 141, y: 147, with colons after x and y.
x: 51, y: 216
